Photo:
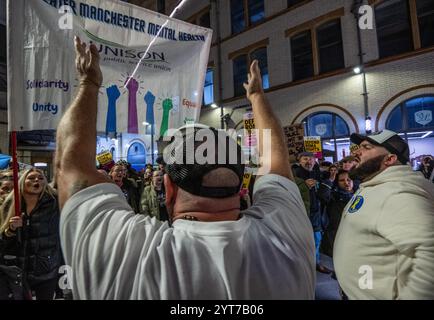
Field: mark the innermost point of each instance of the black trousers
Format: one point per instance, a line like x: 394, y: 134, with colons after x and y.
x: 45, y: 290
x: 10, y: 288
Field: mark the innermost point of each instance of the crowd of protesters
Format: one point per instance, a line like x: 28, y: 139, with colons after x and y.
x: 325, y: 188
x: 30, y: 242
x: 369, y: 209
x: 30, y: 252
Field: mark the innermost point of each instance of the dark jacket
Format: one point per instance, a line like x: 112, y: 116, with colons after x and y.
x: 335, y: 200
x: 315, y: 207
x: 131, y: 192
x: 304, y: 191
x: 40, y: 243
x: 426, y: 171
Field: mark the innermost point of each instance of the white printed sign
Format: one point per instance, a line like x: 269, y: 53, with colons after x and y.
x: 162, y: 87
x: 321, y: 129
x: 423, y: 117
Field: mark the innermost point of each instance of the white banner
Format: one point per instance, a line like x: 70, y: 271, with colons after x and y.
x: 164, y: 91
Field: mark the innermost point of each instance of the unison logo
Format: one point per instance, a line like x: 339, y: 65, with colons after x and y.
x: 131, y: 53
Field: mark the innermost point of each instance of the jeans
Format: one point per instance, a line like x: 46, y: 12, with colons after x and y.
x: 317, y: 236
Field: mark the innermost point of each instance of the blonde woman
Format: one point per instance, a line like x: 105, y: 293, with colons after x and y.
x: 38, y: 252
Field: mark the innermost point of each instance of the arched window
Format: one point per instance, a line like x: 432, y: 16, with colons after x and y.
x: 413, y: 119
x: 334, y: 133
x: 137, y: 156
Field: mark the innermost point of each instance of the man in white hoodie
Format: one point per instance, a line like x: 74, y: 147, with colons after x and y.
x: 384, y: 248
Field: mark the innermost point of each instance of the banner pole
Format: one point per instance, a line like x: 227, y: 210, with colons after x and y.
x: 15, y: 172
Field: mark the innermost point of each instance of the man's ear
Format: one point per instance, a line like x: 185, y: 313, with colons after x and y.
x: 171, y: 190
x: 390, y: 160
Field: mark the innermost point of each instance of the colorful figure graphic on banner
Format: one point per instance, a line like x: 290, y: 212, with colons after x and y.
x: 113, y: 95
x: 150, y: 100
x: 167, y: 107
x: 133, y: 87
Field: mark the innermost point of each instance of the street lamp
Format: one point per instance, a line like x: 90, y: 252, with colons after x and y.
x: 357, y: 70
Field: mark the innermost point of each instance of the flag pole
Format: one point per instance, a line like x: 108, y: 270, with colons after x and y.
x: 15, y: 172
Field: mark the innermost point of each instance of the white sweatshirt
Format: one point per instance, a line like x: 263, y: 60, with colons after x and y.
x: 387, y: 235
x: 267, y: 254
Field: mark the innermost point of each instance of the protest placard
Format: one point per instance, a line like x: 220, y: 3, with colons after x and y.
x: 313, y: 144
x: 294, y: 135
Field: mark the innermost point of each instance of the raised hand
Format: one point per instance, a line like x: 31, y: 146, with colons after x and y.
x: 113, y: 95
x: 87, y: 63
x: 310, y: 183
x: 254, y: 81
x: 113, y: 92
x: 167, y: 106
x: 132, y: 85
x: 150, y: 100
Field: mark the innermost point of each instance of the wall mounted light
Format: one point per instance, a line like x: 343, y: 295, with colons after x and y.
x: 368, y: 125
x: 357, y: 70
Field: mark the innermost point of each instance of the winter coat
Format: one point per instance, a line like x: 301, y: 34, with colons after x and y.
x: 149, y: 203
x: 335, y: 200
x: 131, y: 192
x: 39, y: 248
x: 388, y: 228
x: 315, y: 207
x: 304, y: 191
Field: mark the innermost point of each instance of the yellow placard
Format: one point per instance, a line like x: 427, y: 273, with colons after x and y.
x: 250, y: 138
x: 353, y: 148
x: 246, y: 180
x: 312, y: 144
x: 104, y: 157
x: 249, y: 124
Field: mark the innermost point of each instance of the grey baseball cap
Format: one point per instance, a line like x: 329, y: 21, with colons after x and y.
x: 389, y: 140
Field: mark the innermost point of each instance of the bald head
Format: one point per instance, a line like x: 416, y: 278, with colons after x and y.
x: 221, y: 177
